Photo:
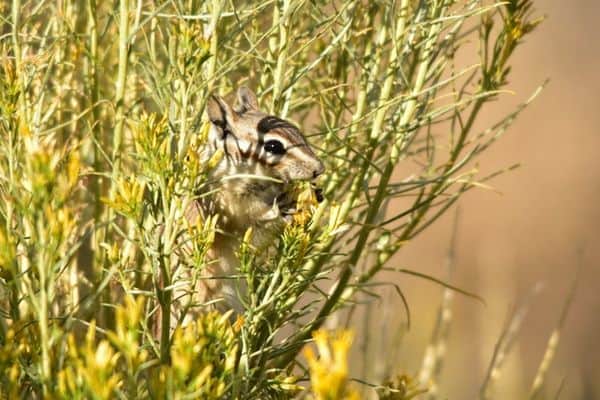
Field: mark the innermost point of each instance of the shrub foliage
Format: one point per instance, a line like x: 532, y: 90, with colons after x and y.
x: 101, y: 124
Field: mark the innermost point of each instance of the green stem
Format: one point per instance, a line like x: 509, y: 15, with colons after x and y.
x: 16, y: 24
x: 335, y: 296
x: 281, y: 19
x: 94, y: 96
x: 425, y: 204
x: 164, y: 246
x: 217, y: 6
x: 43, y: 260
x: 43, y: 324
x: 164, y: 298
x: 120, y: 85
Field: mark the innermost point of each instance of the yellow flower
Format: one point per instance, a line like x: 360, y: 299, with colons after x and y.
x: 329, y: 372
x: 306, y: 202
x: 73, y: 168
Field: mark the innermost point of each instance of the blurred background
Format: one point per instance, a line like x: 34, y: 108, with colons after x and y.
x: 542, y: 221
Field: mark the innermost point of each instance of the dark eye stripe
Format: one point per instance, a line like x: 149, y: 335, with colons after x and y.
x: 270, y: 122
x: 283, y: 128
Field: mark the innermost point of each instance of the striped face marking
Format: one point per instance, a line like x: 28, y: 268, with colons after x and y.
x: 253, y: 141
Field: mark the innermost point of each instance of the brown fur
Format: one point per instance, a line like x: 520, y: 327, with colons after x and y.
x: 248, y: 183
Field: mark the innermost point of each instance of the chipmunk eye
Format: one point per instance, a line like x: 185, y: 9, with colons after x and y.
x: 274, y: 147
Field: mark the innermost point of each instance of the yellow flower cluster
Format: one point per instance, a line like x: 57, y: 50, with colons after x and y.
x: 329, y: 371
x: 306, y: 201
x: 101, y: 368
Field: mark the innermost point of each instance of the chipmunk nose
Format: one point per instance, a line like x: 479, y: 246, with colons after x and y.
x: 319, y: 170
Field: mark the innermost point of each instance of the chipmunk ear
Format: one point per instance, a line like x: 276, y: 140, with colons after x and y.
x: 245, y: 100
x: 218, y: 111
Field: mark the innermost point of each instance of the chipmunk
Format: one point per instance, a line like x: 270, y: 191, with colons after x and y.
x: 263, y: 155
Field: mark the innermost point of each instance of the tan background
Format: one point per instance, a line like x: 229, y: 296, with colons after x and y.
x: 531, y: 232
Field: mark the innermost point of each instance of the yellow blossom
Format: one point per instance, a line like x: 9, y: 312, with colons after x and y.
x: 329, y: 372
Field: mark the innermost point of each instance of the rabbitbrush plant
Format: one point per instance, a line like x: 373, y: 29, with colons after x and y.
x: 101, y: 123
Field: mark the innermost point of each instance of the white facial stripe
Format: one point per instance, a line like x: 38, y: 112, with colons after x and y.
x: 303, y: 153
x: 244, y: 145
x: 238, y: 147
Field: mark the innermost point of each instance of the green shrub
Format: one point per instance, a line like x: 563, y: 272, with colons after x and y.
x: 101, y: 122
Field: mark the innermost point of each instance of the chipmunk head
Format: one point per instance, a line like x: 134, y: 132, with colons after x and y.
x: 257, y: 143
